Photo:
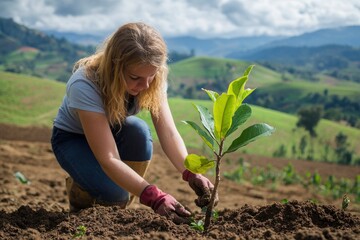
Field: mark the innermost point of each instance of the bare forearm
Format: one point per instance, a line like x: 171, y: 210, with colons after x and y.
x: 175, y: 150
x: 169, y: 137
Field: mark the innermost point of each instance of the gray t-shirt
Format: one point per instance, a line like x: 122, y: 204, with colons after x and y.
x: 83, y: 94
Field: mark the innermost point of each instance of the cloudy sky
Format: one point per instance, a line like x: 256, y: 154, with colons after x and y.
x: 200, y: 18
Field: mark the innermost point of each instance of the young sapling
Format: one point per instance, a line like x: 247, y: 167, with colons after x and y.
x: 345, y: 202
x: 228, y: 113
x: 81, y: 231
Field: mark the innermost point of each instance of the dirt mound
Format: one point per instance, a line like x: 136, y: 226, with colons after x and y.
x: 39, y: 210
x: 294, y: 220
x: 31, y: 134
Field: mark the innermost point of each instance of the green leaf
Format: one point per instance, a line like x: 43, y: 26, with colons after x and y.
x: 246, y: 93
x: 213, y: 95
x: 205, y: 137
x: 207, y: 119
x: 198, y: 164
x: 241, y: 115
x: 248, y: 70
x: 236, y: 86
x: 250, y: 134
x: 224, y: 108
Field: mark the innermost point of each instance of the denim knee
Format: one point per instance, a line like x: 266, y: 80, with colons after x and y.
x: 134, y: 140
x: 74, y: 155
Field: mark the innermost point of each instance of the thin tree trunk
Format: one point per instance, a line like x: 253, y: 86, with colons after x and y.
x: 210, y: 207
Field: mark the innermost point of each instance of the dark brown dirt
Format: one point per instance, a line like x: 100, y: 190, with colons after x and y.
x: 295, y: 220
x: 39, y: 210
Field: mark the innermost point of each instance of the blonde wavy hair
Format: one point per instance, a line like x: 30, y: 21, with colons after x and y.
x: 131, y: 44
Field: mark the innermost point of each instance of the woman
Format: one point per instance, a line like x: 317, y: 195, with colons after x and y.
x: 99, y: 142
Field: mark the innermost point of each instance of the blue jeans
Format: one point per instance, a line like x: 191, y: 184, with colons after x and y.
x: 74, y: 155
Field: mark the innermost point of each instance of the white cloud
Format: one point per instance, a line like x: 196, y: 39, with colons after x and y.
x: 202, y: 18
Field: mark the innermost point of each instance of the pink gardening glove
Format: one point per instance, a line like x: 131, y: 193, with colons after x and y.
x: 164, y: 204
x: 202, y: 187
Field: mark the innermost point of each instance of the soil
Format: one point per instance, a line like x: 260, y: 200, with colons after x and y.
x: 39, y: 210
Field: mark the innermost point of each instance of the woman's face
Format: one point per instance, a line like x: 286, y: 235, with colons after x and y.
x: 139, y: 78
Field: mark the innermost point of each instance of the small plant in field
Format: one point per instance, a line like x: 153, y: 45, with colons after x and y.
x: 284, y: 201
x: 345, y: 202
x: 197, y: 225
x: 215, y: 215
x: 21, y: 178
x: 316, y: 179
x: 227, y: 115
x: 239, y: 172
x: 289, y: 175
x: 356, y: 188
x: 314, y: 201
x: 80, y: 232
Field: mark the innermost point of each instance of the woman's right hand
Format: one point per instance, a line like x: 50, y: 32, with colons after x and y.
x: 164, y: 204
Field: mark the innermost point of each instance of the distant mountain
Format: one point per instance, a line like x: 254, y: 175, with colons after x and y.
x: 217, y: 47
x: 338, y: 61
x: 25, y: 50
x: 235, y: 47
x: 349, y: 36
x: 19, y: 35
x: 335, y: 52
x: 185, y: 44
x: 303, y: 55
x: 346, y: 36
x: 81, y: 39
x: 299, y: 75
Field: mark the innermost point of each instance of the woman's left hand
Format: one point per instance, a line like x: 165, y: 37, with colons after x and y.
x: 202, y: 187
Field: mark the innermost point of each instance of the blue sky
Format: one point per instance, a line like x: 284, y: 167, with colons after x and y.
x: 199, y: 18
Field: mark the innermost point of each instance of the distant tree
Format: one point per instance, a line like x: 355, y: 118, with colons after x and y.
x: 342, y: 152
x: 311, y: 152
x: 357, y: 124
x: 189, y: 93
x: 325, y: 155
x: 175, y: 56
x: 293, y: 150
x: 309, y: 117
x: 302, y: 145
x: 280, y: 152
x: 326, y: 92
x: 284, y: 77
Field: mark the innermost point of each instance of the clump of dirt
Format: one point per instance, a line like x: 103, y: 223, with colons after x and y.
x: 293, y: 220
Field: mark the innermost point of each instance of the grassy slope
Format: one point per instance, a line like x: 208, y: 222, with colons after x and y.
x: 191, y: 70
x: 52, y: 66
x: 285, y: 124
x: 303, y: 88
x: 206, y: 67
x: 28, y: 100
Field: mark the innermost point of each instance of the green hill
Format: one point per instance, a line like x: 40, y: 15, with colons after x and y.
x: 333, y: 60
x: 283, y: 86
x: 26, y: 100
x: 187, y: 77
x: 32, y: 52
x: 286, y: 132
x: 284, y: 92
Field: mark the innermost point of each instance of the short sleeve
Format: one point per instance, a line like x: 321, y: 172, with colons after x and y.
x: 83, y: 95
